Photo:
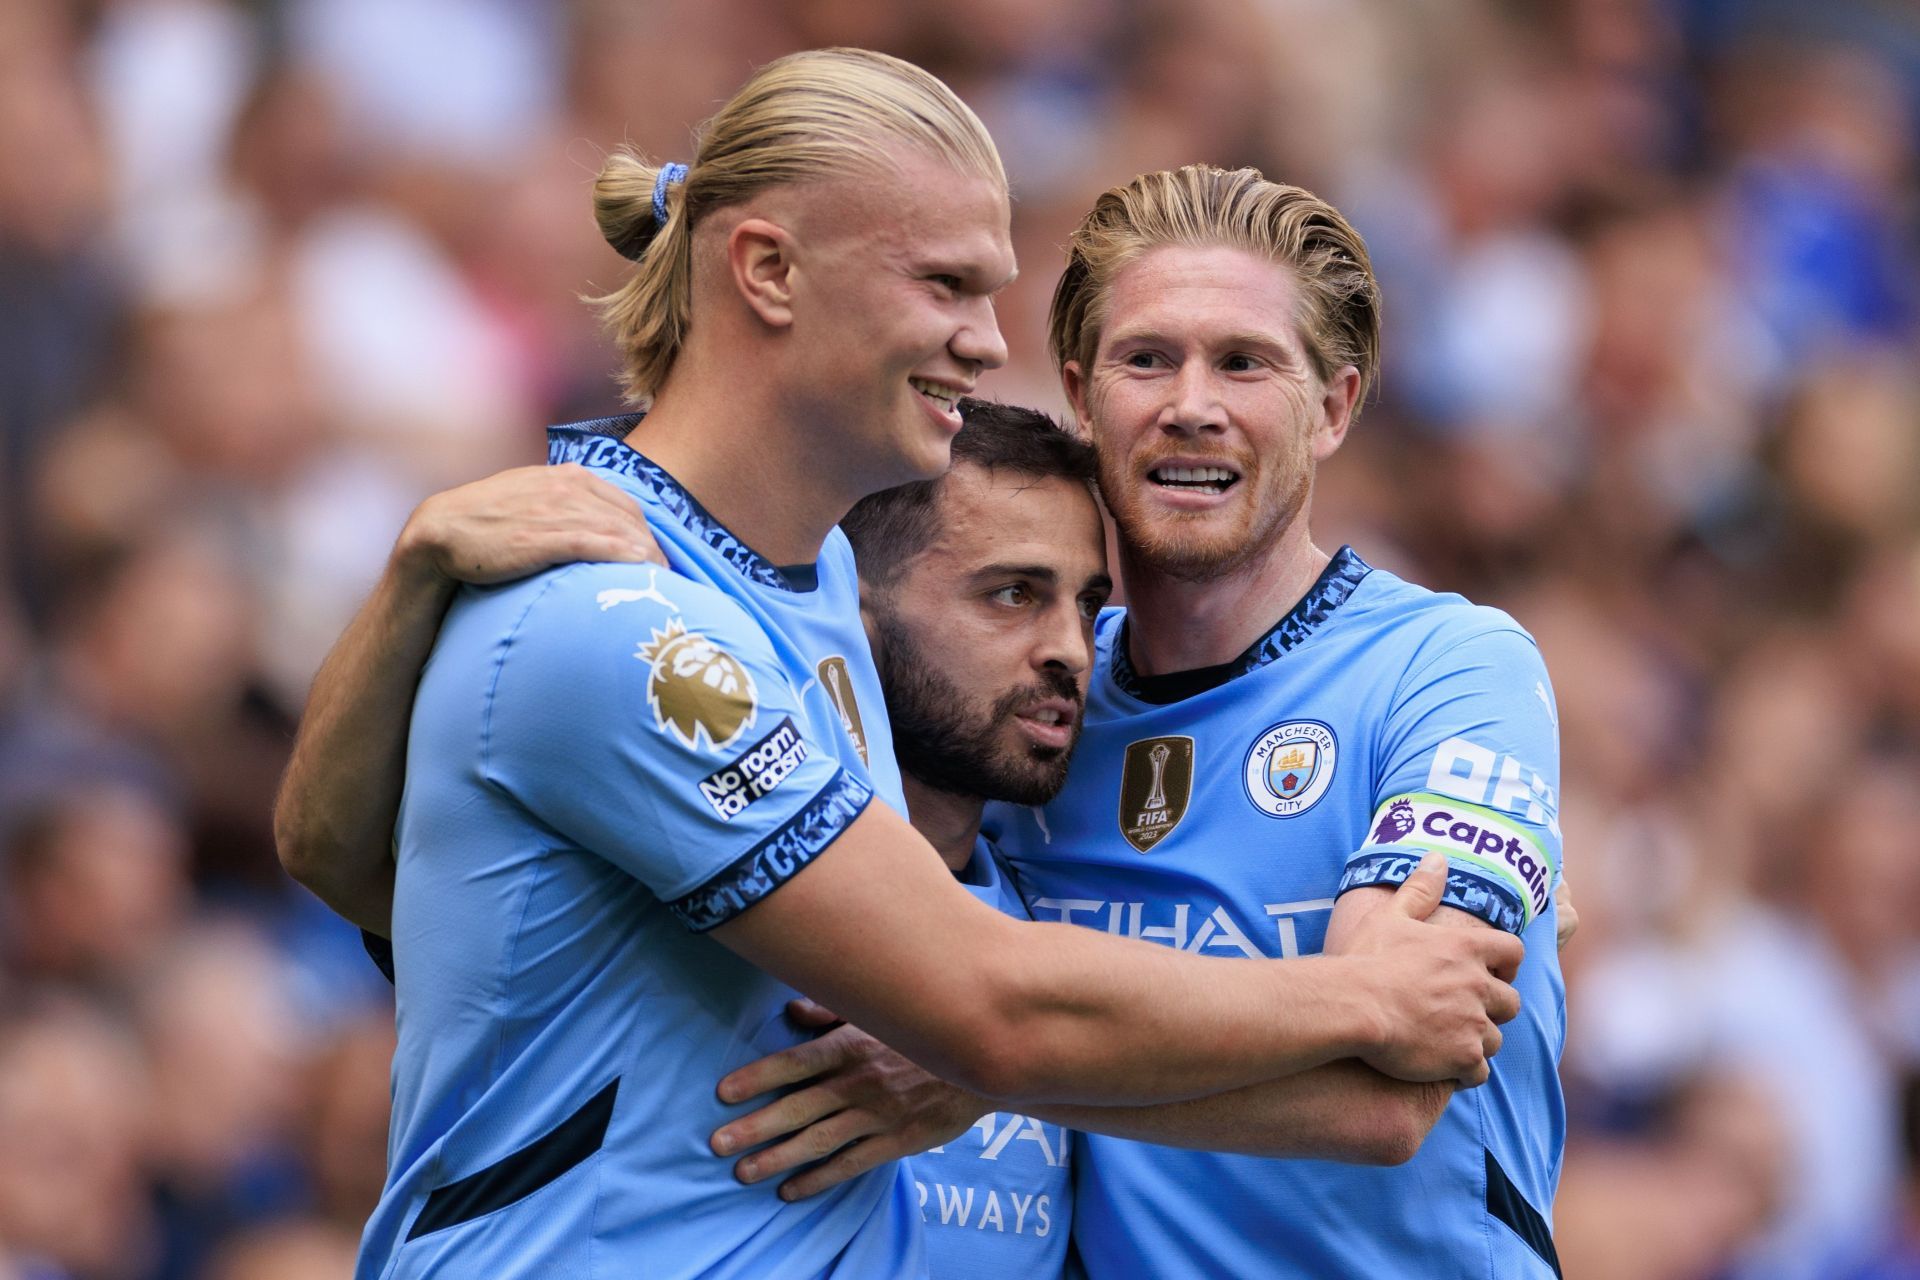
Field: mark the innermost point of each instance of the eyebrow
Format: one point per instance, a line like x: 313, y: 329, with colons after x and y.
x: 924, y: 264
x: 1265, y: 341
x: 1038, y: 572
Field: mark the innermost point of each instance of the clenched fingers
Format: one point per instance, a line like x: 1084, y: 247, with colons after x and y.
x: 1500, y: 952
x: 1503, y: 1002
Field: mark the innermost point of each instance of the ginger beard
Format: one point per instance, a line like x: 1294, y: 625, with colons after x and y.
x: 1262, y: 502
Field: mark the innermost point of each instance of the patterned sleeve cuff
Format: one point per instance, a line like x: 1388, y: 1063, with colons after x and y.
x: 1467, y: 889
x: 778, y: 858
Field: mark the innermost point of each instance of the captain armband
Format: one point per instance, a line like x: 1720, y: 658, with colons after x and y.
x: 1496, y: 869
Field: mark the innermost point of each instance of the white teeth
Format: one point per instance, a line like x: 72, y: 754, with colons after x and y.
x: 945, y: 397
x: 1047, y: 717
x: 1194, y: 475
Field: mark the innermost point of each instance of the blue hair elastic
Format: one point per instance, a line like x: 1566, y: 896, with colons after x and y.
x: 669, y: 174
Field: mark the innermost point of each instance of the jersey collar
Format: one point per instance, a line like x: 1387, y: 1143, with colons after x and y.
x: 601, y: 444
x: 1329, y: 591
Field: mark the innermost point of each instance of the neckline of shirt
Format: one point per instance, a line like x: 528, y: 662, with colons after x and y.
x: 601, y: 443
x: 1328, y: 592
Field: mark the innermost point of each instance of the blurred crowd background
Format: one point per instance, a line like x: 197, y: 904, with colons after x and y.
x: 272, y: 272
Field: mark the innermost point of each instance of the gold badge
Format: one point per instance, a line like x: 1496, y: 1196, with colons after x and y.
x: 697, y: 688
x: 1156, y: 782
x: 838, y: 682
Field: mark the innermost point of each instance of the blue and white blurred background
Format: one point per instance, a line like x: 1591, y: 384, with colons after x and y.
x: 272, y: 272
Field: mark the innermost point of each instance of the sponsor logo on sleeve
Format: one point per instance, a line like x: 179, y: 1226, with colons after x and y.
x: 697, y: 690
x: 613, y: 596
x: 1469, y: 834
x: 1290, y: 766
x: 1156, y: 783
x: 838, y: 682
x: 1479, y: 775
x: 755, y: 772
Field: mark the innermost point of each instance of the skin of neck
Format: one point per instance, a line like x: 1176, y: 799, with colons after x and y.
x: 951, y: 823
x: 772, y: 495
x: 1175, y: 624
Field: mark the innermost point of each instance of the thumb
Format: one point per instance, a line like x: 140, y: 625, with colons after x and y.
x: 1422, y: 891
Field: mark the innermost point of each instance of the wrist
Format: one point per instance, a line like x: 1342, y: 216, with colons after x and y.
x: 417, y: 553
x: 1353, y: 1006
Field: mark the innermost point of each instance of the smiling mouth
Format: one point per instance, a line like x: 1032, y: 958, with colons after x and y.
x: 1209, y: 480
x: 943, y: 397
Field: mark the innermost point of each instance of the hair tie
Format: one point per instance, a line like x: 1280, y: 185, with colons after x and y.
x: 669, y: 174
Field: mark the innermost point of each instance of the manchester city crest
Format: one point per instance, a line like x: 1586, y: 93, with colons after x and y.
x: 697, y: 689
x: 1156, y: 782
x: 1290, y: 766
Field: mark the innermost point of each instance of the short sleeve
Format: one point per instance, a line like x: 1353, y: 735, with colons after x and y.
x: 646, y: 718
x: 1470, y: 767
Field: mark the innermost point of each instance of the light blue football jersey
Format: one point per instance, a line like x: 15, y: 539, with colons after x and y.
x: 1222, y: 812
x: 605, y: 762
x: 997, y: 1201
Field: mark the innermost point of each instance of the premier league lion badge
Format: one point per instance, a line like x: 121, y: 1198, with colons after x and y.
x: 697, y: 689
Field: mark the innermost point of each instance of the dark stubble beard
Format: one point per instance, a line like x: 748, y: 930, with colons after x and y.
x: 943, y: 745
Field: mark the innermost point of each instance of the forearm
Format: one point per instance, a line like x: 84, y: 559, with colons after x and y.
x: 334, y: 818
x: 1134, y: 1023
x: 1341, y: 1111
x: 876, y: 928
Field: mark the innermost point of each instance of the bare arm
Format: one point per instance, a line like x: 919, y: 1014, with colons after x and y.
x: 333, y: 820
x: 1343, y: 1111
x: 858, y: 1103
x: 855, y: 1090
x: 877, y: 928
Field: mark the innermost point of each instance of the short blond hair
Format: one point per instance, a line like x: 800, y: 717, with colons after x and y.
x: 1200, y: 205
x: 803, y: 117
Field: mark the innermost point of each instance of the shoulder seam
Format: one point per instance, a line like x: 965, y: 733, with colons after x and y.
x: 500, y: 666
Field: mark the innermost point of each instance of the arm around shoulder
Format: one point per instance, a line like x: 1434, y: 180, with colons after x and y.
x: 333, y: 818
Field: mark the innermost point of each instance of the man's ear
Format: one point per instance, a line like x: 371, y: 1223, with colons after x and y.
x: 760, y: 258
x: 1074, y: 383
x: 1337, y: 404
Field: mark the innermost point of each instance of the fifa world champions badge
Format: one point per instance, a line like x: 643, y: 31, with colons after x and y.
x: 1156, y: 784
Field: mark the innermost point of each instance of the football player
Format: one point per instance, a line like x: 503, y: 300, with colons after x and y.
x: 638, y: 806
